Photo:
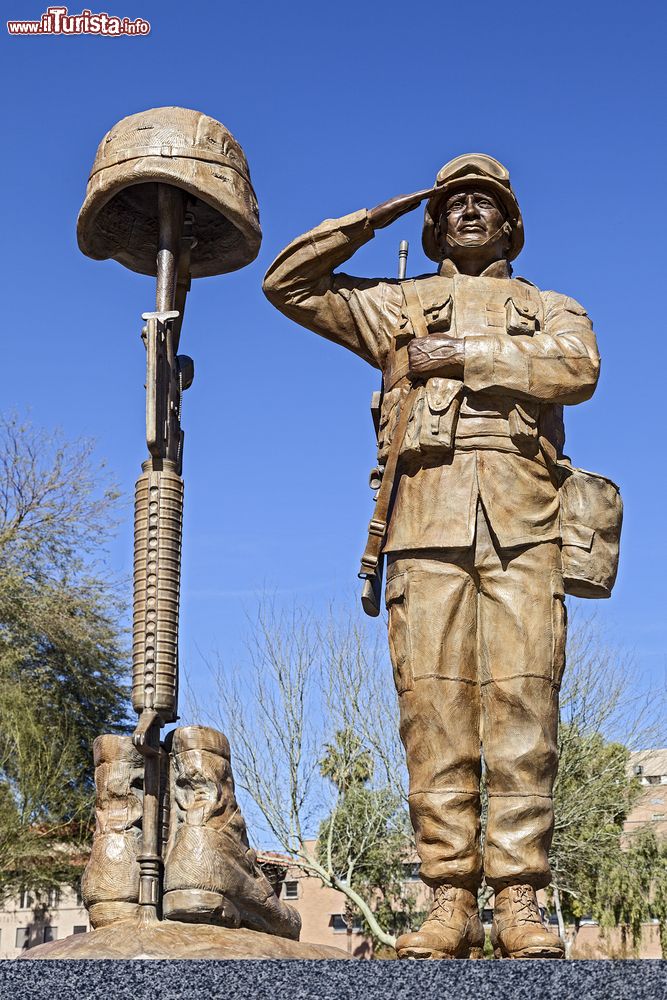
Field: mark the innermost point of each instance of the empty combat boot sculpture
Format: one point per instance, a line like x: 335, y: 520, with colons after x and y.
x: 518, y: 931
x: 110, y: 882
x: 211, y: 873
x: 452, y: 929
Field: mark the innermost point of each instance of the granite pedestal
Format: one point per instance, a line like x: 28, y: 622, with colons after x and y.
x: 326, y: 980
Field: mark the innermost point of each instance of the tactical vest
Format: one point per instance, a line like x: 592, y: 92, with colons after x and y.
x: 444, y: 413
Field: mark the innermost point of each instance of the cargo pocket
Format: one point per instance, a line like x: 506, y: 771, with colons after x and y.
x: 522, y: 420
x: 442, y: 401
x: 558, y: 628
x: 521, y: 316
x: 439, y: 316
x: 399, y: 633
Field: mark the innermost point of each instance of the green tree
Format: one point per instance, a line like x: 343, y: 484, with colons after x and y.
x: 632, y: 889
x: 367, y: 840
x: 63, y: 660
x: 592, y: 798
x: 346, y: 762
x: 603, y: 718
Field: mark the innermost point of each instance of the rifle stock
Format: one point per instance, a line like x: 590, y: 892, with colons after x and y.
x: 371, y: 592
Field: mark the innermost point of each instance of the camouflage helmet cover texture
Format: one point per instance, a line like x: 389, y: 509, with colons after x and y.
x: 476, y: 169
x: 176, y: 146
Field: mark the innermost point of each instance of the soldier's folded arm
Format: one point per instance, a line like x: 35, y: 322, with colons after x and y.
x: 560, y: 364
x: 357, y: 313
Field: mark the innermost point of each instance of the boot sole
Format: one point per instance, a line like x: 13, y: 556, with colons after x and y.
x: 545, y: 952
x: 198, y: 906
x: 420, y: 954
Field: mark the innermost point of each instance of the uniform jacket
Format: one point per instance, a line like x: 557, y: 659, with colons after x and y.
x: 527, y: 353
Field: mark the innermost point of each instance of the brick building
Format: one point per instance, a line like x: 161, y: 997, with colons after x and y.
x: 649, y: 767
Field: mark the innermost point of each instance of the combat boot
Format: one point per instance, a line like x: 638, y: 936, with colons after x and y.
x: 518, y: 931
x: 110, y: 881
x: 211, y: 873
x: 451, y: 930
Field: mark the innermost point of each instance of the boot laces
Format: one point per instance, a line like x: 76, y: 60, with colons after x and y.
x: 443, y: 903
x: 525, y: 905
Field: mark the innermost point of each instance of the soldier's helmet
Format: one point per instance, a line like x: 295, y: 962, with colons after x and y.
x: 191, y: 151
x: 484, y: 172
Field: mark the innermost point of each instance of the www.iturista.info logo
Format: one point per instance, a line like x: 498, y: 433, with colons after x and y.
x: 58, y: 21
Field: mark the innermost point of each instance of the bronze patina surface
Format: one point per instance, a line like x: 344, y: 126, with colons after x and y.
x: 191, y: 151
x: 171, y: 872
x: 168, y: 939
x: 471, y: 518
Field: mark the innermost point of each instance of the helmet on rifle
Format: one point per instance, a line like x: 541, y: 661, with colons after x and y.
x: 119, y: 216
x: 482, y: 171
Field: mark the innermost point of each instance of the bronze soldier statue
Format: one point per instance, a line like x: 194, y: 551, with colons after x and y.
x: 477, y: 365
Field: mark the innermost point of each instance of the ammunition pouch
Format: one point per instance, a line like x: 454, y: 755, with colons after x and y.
x: 522, y: 314
x: 522, y: 420
x: 432, y: 424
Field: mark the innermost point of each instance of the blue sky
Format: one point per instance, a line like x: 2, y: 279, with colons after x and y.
x: 338, y: 107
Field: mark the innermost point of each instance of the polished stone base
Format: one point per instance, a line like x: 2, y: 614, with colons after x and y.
x: 487, y: 980
x: 170, y: 939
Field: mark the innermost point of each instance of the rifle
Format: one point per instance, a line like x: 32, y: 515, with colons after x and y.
x: 157, y: 175
x: 372, y: 564
x: 158, y: 519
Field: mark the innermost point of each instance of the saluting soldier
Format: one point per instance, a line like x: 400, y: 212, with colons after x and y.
x: 480, y: 364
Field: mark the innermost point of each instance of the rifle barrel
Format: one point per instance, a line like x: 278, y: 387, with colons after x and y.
x: 403, y: 259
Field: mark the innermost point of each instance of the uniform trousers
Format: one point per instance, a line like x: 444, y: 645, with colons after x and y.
x: 477, y: 642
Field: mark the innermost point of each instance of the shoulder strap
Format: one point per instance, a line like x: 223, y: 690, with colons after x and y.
x: 413, y: 307
x: 377, y: 529
x: 415, y: 313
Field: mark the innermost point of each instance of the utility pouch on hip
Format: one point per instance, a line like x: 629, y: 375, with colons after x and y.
x: 432, y: 425
x: 591, y: 515
x: 442, y: 401
x: 522, y: 420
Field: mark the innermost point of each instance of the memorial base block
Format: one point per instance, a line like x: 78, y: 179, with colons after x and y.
x: 170, y: 939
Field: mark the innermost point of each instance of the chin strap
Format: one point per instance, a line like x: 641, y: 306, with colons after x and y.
x: 506, y: 229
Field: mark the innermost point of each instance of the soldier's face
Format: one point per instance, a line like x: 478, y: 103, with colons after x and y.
x: 471, y: 217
